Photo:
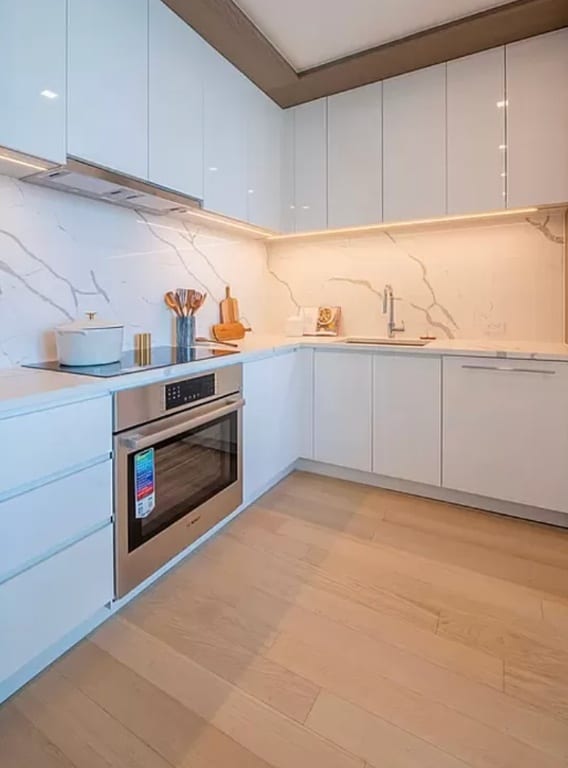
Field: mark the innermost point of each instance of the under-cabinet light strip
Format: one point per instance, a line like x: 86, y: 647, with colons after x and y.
x: 402, y: 224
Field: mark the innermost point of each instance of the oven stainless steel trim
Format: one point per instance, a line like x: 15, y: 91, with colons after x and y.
x: 147, y: 403
x: 132, y: 568
x: 144, y: 438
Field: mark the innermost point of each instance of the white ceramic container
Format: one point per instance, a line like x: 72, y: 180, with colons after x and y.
x: 89, y: 342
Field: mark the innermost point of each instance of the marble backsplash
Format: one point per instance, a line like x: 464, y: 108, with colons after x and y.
x: 499, y: 281
x: 61, y: 256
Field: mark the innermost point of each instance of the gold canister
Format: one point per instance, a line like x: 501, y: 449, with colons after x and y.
x: 143, y: 348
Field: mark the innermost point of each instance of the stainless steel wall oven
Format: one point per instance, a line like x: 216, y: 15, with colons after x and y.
x: 178, y: 467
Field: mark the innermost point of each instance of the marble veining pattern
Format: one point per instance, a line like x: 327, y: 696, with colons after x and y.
x: 499, y: 281
x: 61, y: 256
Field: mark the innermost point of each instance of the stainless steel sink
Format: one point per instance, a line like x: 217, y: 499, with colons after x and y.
x: 375, y: 341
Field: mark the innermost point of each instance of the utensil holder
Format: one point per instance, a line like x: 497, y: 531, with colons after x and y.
x: 185, y: 332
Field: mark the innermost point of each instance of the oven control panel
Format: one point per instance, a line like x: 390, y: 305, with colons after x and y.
x: 189, y: 391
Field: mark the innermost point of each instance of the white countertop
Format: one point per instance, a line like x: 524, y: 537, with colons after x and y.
x: 27, y: 389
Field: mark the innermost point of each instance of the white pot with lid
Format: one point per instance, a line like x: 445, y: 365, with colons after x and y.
x: 89, y: 342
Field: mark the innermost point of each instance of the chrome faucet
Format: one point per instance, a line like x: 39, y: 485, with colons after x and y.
x: 388, y: 306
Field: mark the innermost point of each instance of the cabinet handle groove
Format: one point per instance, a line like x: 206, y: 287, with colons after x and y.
x: 503, y: 369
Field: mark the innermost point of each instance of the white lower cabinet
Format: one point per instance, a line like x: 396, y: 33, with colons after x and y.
x: 406, y: 417
x: 49, y: 442
x: 277, y: 417
x: 43, y: 604
x: 342, y: 409
x: 505, y: 430
x: 34, y: 524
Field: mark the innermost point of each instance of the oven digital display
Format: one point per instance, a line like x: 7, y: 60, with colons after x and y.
x: 189, y: 391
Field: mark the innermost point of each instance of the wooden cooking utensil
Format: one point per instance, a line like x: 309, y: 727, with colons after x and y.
x: 196, y: 301
x: 228, y: 331
x: 229, y: 308
x: 204, y: 339
x: 172, y: 302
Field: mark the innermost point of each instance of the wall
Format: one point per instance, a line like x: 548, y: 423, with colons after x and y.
x: 500, y: 281
x: 61, y: 256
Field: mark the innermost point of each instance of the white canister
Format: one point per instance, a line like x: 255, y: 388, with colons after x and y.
x: 294, y: 326
x: 89, y: 342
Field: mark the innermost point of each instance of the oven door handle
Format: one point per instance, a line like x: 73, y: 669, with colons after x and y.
x: 138, y: 443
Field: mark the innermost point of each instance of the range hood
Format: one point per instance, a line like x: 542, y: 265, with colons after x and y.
x: 79, y: 178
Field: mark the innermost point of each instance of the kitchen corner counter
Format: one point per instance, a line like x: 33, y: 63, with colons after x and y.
x: 25, y: 389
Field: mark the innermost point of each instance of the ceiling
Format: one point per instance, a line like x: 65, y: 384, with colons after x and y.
x: 299, y: 50
x: 312, y: 32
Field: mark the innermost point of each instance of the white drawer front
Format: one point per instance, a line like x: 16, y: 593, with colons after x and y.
x: 40, y: 606
x: 43, y: 443
x: 505, y: 430
x: 35, y: 523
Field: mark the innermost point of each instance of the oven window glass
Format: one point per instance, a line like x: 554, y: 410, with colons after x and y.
x: 189, y: 469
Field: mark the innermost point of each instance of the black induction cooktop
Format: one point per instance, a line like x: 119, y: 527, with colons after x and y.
x: 134, y: 362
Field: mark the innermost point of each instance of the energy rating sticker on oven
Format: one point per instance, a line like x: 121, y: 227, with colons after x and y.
x: 144, y: 483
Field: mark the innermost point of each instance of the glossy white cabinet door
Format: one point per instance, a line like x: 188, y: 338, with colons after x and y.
x: 414, y: 145
x: 43, y: 604
x: 537, y: 120
x: 264, y: 157
x: 277, y: 417
x: 46, y: 444
x: 32, y: 77
x: 39, y: 522
x: 343, y: 408
x: 476, y: 133
x: 505, y: 430
x: 175, y: 102
x: 310, y: 165
x: 354, y: 153
x: 108, y: 84
x: 407, y: 417
x: 287, y: 180
x: 226, y: 105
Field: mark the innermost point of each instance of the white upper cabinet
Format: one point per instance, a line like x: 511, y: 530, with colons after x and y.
x: 264, y: 137
x: 310, y: 165
x: 32, y: 77
x: 226, y: 107
x: 407, y: 417
x: 342, y: 409
x: 287, y: 185
x: 175, y: 102
x: 476, y: 133
x: 108, y: 84
x: 354, y: 151
x: 414, y: 145
x: 537, y: 120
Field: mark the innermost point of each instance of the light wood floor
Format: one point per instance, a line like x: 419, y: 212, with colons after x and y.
x: 329, y: 625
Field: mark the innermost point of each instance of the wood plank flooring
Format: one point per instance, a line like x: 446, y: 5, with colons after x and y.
x: 329, y: 625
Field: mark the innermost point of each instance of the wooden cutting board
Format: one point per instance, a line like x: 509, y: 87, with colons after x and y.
x: 229, y: 308
x: 228, y: 331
